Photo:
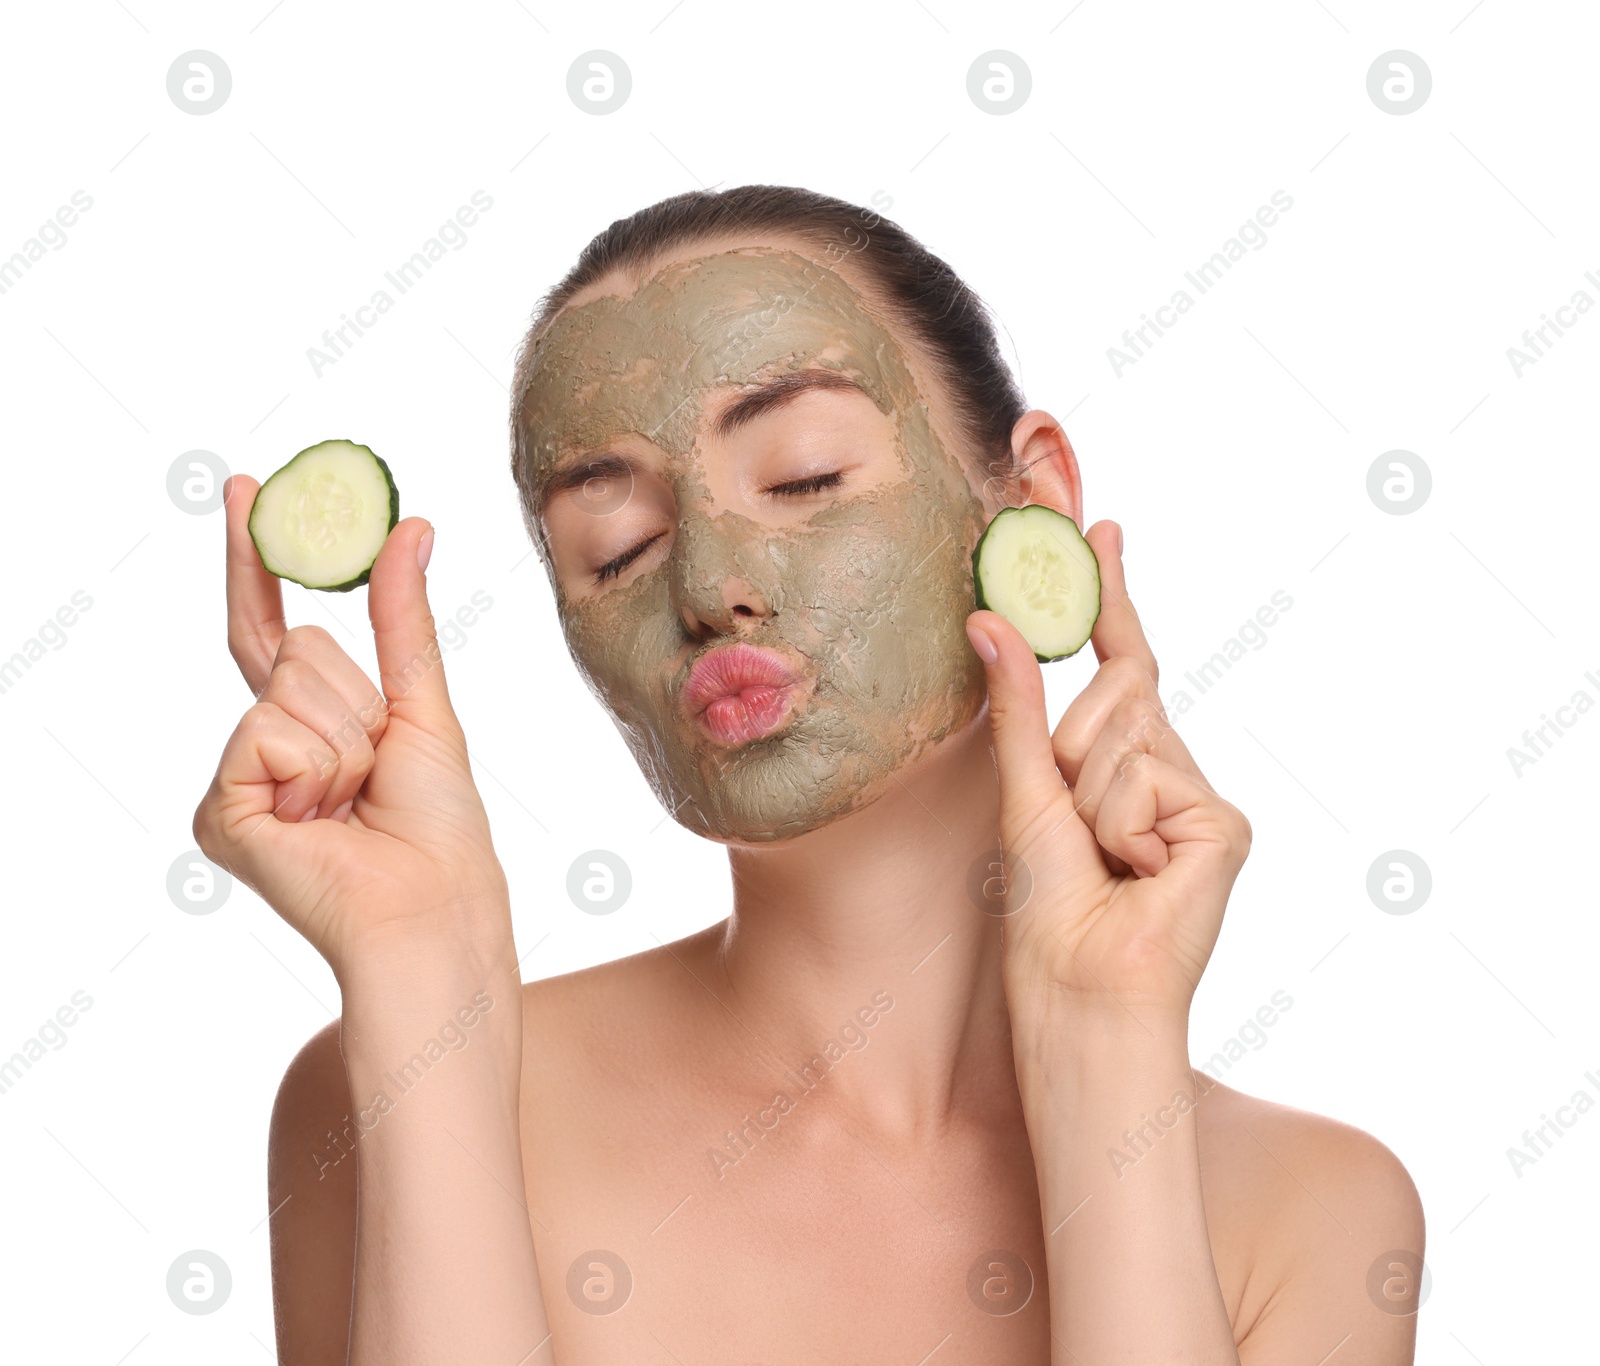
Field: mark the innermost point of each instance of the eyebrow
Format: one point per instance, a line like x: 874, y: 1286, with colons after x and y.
x: 600, y: 465
x: 746, y: 408
x: 777, y: 392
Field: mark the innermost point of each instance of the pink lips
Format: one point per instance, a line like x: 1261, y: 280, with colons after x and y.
x: 739, y: 693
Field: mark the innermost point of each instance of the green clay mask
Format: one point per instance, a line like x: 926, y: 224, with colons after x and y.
x: 868, y: 594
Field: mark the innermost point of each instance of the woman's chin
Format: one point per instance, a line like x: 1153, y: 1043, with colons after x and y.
x: 822, y: 764
x: 752, y: 808
x: 765, y: 821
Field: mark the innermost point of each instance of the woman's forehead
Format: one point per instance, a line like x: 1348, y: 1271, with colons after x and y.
x: 646, y: 359
x: 625, y: 282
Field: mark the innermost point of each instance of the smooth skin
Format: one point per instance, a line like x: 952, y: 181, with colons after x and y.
x: 975, y: 1115
x: 353, y: 813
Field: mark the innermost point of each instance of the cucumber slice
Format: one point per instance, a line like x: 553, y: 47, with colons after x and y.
x: 321, y: 520
x: 1034, y: 568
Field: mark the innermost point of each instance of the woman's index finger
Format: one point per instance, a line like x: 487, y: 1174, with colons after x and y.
x: 255, y: 597
x: 1118, y: 631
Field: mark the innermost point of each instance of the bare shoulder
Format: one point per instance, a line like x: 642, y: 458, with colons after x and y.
x: 1255, y: 1146
x: 626, y: 993
x: 641, y: 1035
x: 311, y: 1191
x: 1317, y: 1224
x: 610, y: 1020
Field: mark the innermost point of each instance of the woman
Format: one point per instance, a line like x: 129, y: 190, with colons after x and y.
x: 925, y: 1094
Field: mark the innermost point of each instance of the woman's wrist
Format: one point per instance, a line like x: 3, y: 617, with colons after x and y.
x: 1105, y: 1090
x: 406, y: 1018
x: 426, y: 990
x: 1111, y: 1075
x: 468, y: 939
x: 1057, y: 1028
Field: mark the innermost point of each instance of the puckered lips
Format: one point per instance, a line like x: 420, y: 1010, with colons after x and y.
x: 738, y: 693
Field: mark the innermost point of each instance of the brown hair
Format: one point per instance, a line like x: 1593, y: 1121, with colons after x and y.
x: 917, y: 291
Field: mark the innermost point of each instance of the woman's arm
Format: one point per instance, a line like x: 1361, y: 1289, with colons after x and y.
x: 311, y: 1194
x: 1120, y: 857
x: 444, y: 1261
x: 446, y: 1246
x: 1116, y: 1116
x: 1126, y: 1239
x: 354, y: 814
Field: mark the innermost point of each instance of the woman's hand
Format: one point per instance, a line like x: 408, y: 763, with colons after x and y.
x: 351, y: 811
x: 1118, y: 853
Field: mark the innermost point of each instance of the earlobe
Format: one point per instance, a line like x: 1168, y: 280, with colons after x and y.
x: 1046, y: 466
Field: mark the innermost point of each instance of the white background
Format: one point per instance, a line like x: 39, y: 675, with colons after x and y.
x: 1377, y: 716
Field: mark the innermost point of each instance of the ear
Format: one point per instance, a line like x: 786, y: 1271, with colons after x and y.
x: 1047, y: 468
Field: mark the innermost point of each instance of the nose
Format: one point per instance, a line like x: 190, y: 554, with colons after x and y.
x: 718, y: 568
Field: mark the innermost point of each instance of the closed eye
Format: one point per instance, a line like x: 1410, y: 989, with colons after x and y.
x: 811, y: 484
x: 611, y: 568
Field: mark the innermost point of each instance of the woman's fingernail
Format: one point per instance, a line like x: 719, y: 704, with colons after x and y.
x: 1119, y: 539
x: 310, y: 815
x: 982, y: 644
x: 425, y: 548
x: 227, y: 485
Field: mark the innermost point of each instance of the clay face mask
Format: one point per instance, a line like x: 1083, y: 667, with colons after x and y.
x: 867, y: 596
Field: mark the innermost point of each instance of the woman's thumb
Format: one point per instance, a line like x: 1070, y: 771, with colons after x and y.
x: 410, y: 665
x: 1017, y: 717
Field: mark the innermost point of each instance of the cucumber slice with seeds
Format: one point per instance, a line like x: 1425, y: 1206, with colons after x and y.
x: 321, y: 520
x: 1034, y: 568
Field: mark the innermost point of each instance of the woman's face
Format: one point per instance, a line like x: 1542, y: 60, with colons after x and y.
x: 826, y: 522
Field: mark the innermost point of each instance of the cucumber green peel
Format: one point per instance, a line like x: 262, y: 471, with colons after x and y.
x: 321, y: 520
x: 1033, y: 567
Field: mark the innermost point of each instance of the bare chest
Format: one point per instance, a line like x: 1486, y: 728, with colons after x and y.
x: 776, y: 1234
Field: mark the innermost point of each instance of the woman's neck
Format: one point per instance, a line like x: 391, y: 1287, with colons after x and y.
x: 879, y: 904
